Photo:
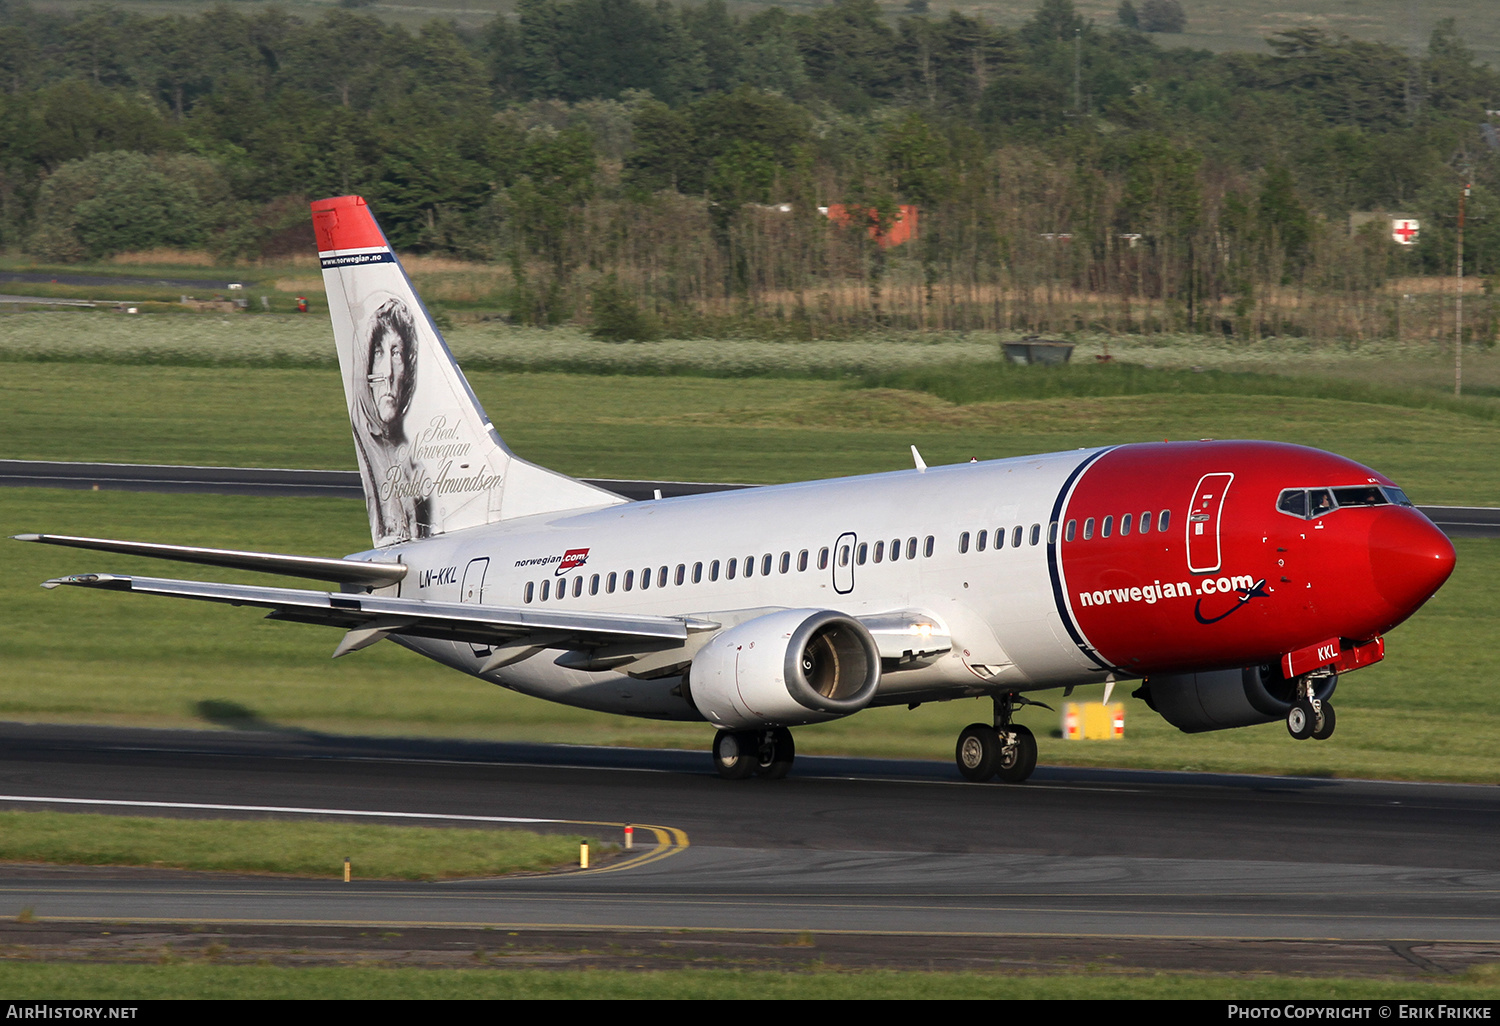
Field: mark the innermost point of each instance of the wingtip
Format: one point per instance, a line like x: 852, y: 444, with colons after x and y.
x: 26, y: 537
x: 88, y: 580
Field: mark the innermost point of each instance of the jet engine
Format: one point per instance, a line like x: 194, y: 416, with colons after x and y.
x: 784, y: 669
x: 1218, y: 699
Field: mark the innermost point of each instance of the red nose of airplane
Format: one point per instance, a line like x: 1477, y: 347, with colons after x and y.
x: 1409, y: 559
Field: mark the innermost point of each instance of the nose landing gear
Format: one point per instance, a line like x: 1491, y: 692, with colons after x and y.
x: 1310, y: 716
x: 1007, y: 750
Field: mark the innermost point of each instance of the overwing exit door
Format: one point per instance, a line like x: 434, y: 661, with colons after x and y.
x: 843, y: 563
x: 1203, y: 523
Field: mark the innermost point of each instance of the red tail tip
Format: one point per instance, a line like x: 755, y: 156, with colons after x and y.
x: 345, y: 222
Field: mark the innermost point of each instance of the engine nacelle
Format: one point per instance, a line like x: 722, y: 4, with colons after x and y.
x: 785, y: 669
x: 1218, y: 699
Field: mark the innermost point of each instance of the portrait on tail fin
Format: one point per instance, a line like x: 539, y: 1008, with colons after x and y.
x: 384, y: 382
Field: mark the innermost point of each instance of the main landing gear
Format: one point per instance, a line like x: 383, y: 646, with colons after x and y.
x: 1310, y: 716
x: 763, y: 753
x: 1007, y: 750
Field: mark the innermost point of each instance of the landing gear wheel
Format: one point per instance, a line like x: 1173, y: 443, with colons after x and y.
x: 1017, y: 759
x: 978, y: 752
x: 1323, y: 729
x: 775, y: 754
x: 1301, y: 720
x: 734, y: 754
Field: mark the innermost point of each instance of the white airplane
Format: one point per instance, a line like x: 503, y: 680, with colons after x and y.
x: 1235, y: 580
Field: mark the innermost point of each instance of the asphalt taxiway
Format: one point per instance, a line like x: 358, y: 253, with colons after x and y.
x: 1456, y: 521
x: 843, y: 845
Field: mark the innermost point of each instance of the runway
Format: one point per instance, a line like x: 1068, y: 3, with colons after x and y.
x: 1456, y: 521
x: 842, y: 846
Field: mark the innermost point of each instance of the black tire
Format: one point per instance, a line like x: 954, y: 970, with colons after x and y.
x: 774, y: 759
x: 977, y: 752
x: 734, y: 754
x: 1300, y: 720
x: 1017, y: 761
x: 1323, y: 729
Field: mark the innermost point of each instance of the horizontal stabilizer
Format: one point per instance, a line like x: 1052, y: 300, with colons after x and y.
x: 446, y: 621
x: 340, y: 571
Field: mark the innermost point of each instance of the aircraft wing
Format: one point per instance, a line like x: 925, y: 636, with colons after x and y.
x: 340, y: 571
x: 513, y: 632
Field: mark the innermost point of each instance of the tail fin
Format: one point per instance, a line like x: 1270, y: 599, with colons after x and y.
x: 430, y: 458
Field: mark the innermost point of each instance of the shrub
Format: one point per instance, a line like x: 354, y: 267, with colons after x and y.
x: 1162, y: 16
x: 617, y: 318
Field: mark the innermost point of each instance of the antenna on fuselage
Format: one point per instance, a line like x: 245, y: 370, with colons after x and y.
x: 917, y: 458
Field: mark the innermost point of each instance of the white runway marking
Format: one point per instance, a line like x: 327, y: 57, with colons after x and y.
x: 273, y: 808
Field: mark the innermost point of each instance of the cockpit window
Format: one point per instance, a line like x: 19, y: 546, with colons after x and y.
x: 1369, y: 495
x: 1311, y: 503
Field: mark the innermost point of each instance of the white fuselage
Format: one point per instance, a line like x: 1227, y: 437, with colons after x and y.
x: 826, y: 545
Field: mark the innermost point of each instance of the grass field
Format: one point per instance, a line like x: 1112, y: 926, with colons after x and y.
x: 289, y: 847
x: 200, y: 980
x: 1212, y: 24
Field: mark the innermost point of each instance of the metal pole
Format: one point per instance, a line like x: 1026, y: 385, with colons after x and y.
x: 1458, y: 329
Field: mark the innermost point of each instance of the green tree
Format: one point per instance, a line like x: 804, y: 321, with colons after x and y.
x: 112, y: 202
x: 1161, y: 16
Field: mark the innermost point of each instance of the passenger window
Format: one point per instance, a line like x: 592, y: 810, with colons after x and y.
x: 1088, y: 529
x: 963, y: 542
x: 713, y: 570
x: 594, y: 585
x: 1072, y: 526
x: 1163, y: 520
x: 546, y: 590
x: 749, y: 566
x: 1145, y: 523
x: 661, y: 577
x: 999, y: 537
x: 928, y: 545
x: 786, y: 561
x: 895, y: 549
x: 1051, y: 533
x: 530, y: 589
x: 609, y: 583
x: 879, y: 551
x: 843, y: 555
x: 980, y: 540
x: 730, y: 568
x: 578, y: 586
x: 864, y: 552
x: 911, y: 548
x: 765, y: 565
x: 681, y: 575
x: 629, y: 579
x: 823, y: 558
x: 1015, y: 536
x: 802, y: 561
x: 645, y: 578
x: 697, y: 573
x: 1125, y: 525
x: 1106, y: 527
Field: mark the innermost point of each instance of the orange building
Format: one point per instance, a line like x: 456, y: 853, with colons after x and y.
x: 904, y: 230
